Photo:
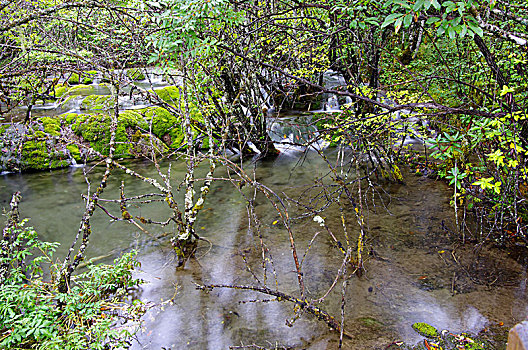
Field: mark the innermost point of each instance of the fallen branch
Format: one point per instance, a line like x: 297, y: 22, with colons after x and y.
x: 301, y: 303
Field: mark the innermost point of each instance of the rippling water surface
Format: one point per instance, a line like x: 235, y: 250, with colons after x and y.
x: 415, y: 272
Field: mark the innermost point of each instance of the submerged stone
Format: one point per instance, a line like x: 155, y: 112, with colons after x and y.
x: 425, y: 330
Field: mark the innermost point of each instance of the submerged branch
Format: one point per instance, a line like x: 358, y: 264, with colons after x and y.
x: 302, y: 303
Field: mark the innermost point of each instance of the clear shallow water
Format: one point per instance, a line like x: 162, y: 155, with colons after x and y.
x: 415, y: 272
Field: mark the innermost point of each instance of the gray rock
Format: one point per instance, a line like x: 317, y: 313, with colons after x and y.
x: 518, y: 337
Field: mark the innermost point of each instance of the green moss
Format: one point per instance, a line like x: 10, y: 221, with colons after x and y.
x: 67, y: 100
x: 95, y: 129
x: 169, y: 94
x: 57, y: 163
x: 74, y: 152
x: 165, y: 126
x: 41, y: 150
x: 82, y: 89
x: 88, y: 76
x: 425, y: 330
x: 92, y: 102
x: 52, y: 126
x: 35, y: 155
x: 135, y: 74
x: 60, y: 90
x: 74, y: 79
x: 68, y: 118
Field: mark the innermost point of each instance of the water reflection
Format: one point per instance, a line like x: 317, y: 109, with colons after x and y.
x: 407, y: 277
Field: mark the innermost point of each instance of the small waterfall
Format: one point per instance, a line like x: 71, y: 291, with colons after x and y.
x: 294, y: 134
x: 331, y: 102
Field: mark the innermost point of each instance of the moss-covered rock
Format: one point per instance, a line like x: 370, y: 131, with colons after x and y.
x: 75, y: 152
x: 54, y: 142
x: 169, y: 128
x: 89, y: 76
x: 74, y: 79
x: 84, y: 78
x: 37, y: 146
x: 68, y: 101
x: 98, y: 102
x: 165, y: 126
x: 82, y: 90
x: 60, y: 90
x: 135, y: 74
x: 169, y: 94
x: 68, y: 95
x: 132, y: 137
x: 425, y: 330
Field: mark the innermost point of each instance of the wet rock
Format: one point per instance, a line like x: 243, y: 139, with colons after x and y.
x: 428, y: 283
x: 74, y: 79
x: 34, y: 147
x: 84, y: 78
x: 56, y: 142
x: 518, y: 337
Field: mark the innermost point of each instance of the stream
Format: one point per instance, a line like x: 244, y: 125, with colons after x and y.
x: 415, y: 271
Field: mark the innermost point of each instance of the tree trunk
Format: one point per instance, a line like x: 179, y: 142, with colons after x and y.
x: 490, y: 60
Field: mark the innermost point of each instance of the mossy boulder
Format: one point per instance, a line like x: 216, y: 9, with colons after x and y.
x: 54, y: 142
x: 89, y: 76
x: 132, y: 137
x: 82, y: 90
x: 135, y: 74
x: 169, y: 128
x: 74, y: 79
x: 98, y: 102
x: 169, y: 94
x: 68, y: 101
x: 85, y: 77
x: 37, y: 146
x: 165, y: 126
x: 71, y: 95
x: 60, y: 90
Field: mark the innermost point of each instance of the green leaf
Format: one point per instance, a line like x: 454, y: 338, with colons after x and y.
x: 432, y: 20
x: 427, y: 4
x: 476, y: 29
x: 451, y: 32
x: 407, y: 20
x: 398, y: 24
x: 390, y: 19
x: 463, y: 31
x: 418, y: 5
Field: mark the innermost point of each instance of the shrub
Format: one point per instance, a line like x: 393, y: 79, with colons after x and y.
x: 33, y: 314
